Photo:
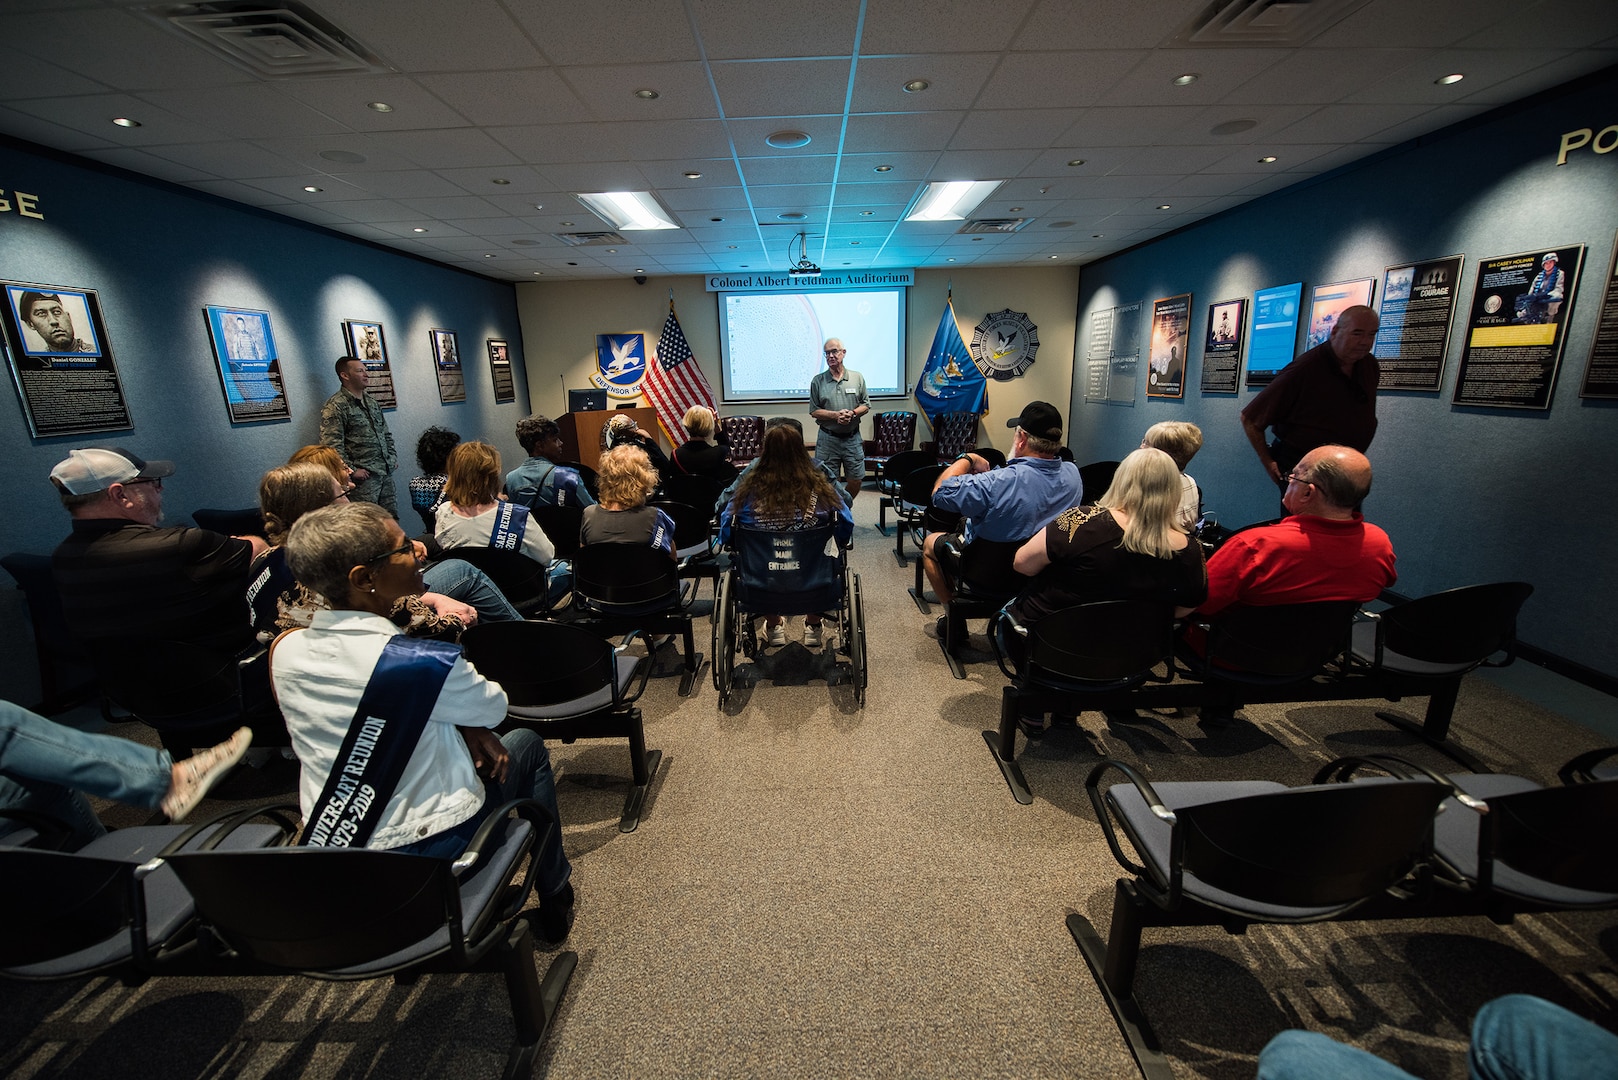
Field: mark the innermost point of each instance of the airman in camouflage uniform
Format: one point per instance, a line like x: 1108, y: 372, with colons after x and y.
x: 351, y: 422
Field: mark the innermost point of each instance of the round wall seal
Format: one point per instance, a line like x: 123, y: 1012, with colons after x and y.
x: 1004, y: 343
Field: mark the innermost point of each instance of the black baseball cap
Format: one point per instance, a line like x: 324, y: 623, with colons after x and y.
x: 1040, y: 419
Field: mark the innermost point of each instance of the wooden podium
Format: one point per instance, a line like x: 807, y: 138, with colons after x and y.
x: 581, y: 432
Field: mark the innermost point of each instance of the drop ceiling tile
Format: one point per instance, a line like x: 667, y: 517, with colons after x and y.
x: 1414, y: 82
x: 1048, y: 80
x: 347, y: 101
x: 727, y: 199
x: 1581, y: 62
x: 454, y: 206
x: 1386, y: 22
x: 956, y: 26
x: 889, y: 192
x: 1105, y: 24
x: 327, y: 153
x: 1338, y: 124
x: 1013, y: 129
x: 546, y: 144
x: 120, y: 50
x: 781, y: 87
x: 235, y: 161
x: 1142, y: 126
x: 139, y: 161
x: 954, y: 81
x: 811, y: 169
x: 23, y: 76
x: 748, y: 135
x: 1218, y: 71
x: 670, y: 175
x: 422, y: 35
x: 1097, y: 159
x: 1169, y: 160
x: 915, y: 165
x: 522, y: 181
x: 402, y: 185
x: 93, y: 115
x: 48, y: 133
x: 875, y: 133
x: 607, y: 176
x: 608, y: 90
x: 372, y: 211
x: 735, y: 28
x: 500, y: 98
x: 1567, y: 24
x: 255, y: 111
x: 1314, y: 76
x: 980, y: 164
x: 446, y: 148
x: 619, y: 31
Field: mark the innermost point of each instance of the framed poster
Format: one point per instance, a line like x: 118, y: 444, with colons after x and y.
x: 1517, y: 328
x: 1171, y: 325
x: 447, y: 365
x: 1326, y: 302
x: 366, y: 341
x: 1601, y: 372
x: 1222, y: 350
x: 61, y: 361
x: 1418, y: 308
x: 1275, y: 331
x: 505, y: 387
x: 249, y: 365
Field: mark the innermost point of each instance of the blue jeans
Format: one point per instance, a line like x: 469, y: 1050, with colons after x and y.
x: 529, y: 777
x: 45, y: 765
x: 1516, y: 1037
x: 462, y: 581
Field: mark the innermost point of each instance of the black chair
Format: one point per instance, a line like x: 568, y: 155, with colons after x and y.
x: 1096, y: 478
x: 1441, y: 638
x: 112, y: 906
x: 746, y: 436
x: 561, y: 525
x: 954, y: 434
x: 585, y: 689
x: 701, y: 492
x: 982, y: 583
x: 894, y: 471
x: 1590, y: 766
x: 65, y: 679
x: 245, y: 522
x: 1232, y: 853
x: 694, y: 543
x: 347, y: 914
x: 525, y: 583
x: 893, y: 432
x: 995, y: 458
x: 914, y: 498
x: 192, y: 696
x: 621, y: 588
x: 1069, y: 660
x: 1268, y: 646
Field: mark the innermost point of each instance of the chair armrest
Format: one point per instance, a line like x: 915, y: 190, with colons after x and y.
x: 1092, y: 787
x: 1581, y: 770
x: 1343, y: 769
x: 643, y: 668
x: 287, y: 815
x: 994, y: 640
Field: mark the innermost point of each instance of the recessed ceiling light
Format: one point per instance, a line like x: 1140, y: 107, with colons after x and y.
x: 1185, y: 80
x: 853, y: 243
x: 378, y: 106
x: 730, y: 247
x: 1165, y: 206
x: 567, y: 224
x: 502, y: 181
x: 1267, y: 159
x: 693, y: 176
x: 539, y: 206
x: 1096, y: 235
x: 310, y: 188
x: 628, y: 210
x: 951, y: 259
x: 716, y: 219
x: 1075, y: 163
x: 487, y: 256
x: 640, y: 270
x: 867, y: 213
x: 1056, y: 256
x: 418, y: 230
x: 1016, y: 209
x: 573, y: 264
x: 539, y: 273
x: 612, y: 251
x: 647, y: 95
x: 883, y: 168
x: 977, y: 239
x: 125, y: 122
x: 950, y: 200
x: 916, y: 86
x: 787, y: 140
x: 1449, y: 80
x: 793, y: 215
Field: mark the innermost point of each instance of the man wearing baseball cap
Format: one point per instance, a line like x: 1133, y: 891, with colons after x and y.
x: 1010, y: 503
x: 124, y: 577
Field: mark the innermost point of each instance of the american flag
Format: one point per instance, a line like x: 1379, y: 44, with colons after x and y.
x: 674, y: 382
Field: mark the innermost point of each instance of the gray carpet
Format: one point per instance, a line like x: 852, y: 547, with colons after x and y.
x: 819, y: 890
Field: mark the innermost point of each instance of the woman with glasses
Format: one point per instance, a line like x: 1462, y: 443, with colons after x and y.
x: 407, y: 721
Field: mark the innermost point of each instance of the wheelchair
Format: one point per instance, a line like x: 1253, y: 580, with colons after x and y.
x: 786, y: 573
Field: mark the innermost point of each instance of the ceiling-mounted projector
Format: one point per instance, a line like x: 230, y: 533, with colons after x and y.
x: 803, y: 267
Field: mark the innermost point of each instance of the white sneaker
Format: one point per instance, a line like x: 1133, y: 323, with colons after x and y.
x: 776, y: 635
x: 198, y: 774
x: 812, y: 636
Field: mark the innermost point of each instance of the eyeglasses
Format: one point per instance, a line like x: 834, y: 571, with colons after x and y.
x: 835, y: 352
x: 409, y: 546
x: 156, y: 482
x: 1294, y: 478
x: 343, y: 494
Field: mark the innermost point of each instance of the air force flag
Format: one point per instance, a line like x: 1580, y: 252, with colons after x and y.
x: 950, y: 382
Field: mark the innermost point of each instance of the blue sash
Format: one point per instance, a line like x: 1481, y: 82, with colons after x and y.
x: 510, y: 522
x: 386, y: 728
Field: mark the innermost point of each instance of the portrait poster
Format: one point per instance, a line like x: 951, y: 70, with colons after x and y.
x: 1275, y: 331
x: 1222, y: 351
x: 1327, y: 302
x: 61, y: 361
x: 1418, y: 308
x: 1171, y: 327
x: 1601, y: 372
x: 447, y: 366
x: 367, y: 342
x: 505, y: 387
x: 249, y: 365
x: 1517, y: 328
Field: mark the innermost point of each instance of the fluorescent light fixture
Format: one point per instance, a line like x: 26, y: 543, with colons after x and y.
x: 628, y: 210
x: 951, y: 200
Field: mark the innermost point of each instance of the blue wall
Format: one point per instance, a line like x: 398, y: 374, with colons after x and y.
x: 1467, y: 494
x: 157, y: 255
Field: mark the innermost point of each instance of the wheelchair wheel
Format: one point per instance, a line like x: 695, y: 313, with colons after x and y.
x: 724, y: 637
x: 854, y: 627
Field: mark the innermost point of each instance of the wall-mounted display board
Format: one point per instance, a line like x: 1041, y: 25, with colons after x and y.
x: 1327, y: 302
x: 447, y: 366
x: 1222, y: 351
x: 1171, y: 327
x: 1275, y: 330
x: 1601, y: 373
x: 249, y: 365
x: 1418, y: 308
x: 1113, y: 355
x: 505, y: 387
x: 367, y: 342
x: 61, y: 361
x: 1518, y: 327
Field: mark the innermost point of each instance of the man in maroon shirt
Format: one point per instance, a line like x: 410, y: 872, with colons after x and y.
x: 1327, y: 396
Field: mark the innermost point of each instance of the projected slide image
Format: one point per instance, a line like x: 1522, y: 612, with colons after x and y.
x: 771, y: 342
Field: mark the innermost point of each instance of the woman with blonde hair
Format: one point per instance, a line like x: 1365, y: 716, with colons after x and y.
x: 625, y: 480
x: 328, y: 459
x: 702, y: 455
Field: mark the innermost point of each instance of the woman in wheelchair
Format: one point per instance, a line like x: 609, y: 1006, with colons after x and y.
x: 1129, y: 546
x: 626, y: 479
x: 394, y: 733
x: 784, y: 491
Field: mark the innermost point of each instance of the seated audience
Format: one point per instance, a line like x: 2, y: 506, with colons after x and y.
x: 783, y: 490
x: 701, y: 455
x: 427, y: 490
x: 45, y: 767
x: 622, y: 430
x: 626, y: 480
x: 458, y: 593
x: 423, y: 713
x: 1180, y: 440
x: 797, y: 428
x: 539, y: 481
x: 474, y: 514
